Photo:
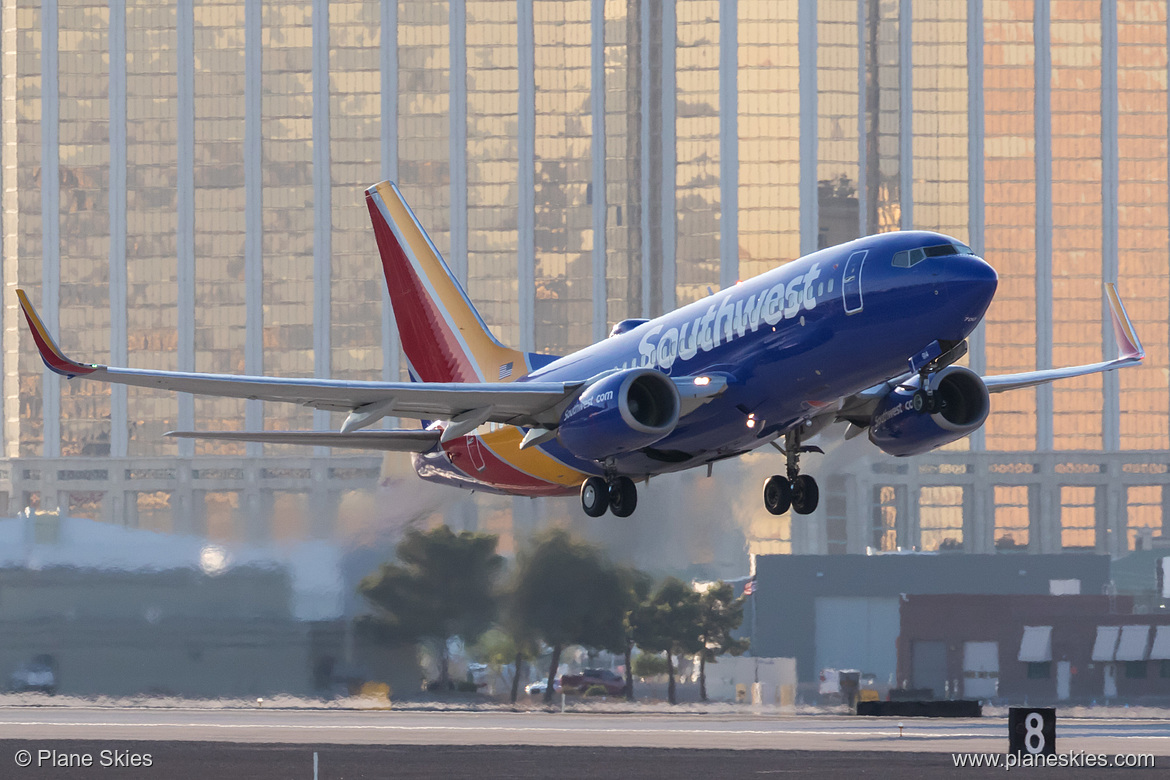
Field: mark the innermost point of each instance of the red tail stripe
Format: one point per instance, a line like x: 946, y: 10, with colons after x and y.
x: 430, y: 344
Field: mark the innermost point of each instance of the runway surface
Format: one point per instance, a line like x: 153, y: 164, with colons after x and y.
x: 229, y: 761
x: 554, y: 729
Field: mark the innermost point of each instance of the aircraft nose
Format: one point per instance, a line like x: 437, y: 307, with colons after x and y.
x: 971, y: 285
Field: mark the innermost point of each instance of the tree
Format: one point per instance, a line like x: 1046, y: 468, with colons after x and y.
x: 499, y: 648
x: 636, y: 587
x: 669, y: 623
x: 649, y: 665
x: 720, y: 613
x: 443, y: 586
x: 524, y: 644
x: 567, y: 594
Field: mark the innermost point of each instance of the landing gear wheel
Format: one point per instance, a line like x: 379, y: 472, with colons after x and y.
x: 594, y: 496
x: 805, y: 495
x: 777, y: 495
x: 623, y: 496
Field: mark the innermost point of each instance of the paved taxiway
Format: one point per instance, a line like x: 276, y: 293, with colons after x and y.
x: 554, y: 729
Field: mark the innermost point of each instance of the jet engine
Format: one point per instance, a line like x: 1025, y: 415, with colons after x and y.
x: 624, y: 411
x: 909, y: 421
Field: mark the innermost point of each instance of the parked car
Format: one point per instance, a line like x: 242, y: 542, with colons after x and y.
x: 38, y: 675
x: 613, y: 683
x: 538, y: 688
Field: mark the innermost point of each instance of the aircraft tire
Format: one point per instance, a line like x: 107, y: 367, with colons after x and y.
x: 594, y: 496
x: 777, y: 495
x: 805, y: 495
x: 623, y: 497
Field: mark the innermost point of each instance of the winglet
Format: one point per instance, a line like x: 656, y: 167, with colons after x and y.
x: 50, y: 353
x: 1128, y: 343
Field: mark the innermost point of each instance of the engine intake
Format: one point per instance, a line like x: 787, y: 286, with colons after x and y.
x: 625, y: 411
x: 961, y: 406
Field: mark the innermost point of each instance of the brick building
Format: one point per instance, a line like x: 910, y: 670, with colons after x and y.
x: 1039, y: 649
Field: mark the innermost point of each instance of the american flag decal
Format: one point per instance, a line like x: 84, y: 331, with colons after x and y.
x: 505, y: 371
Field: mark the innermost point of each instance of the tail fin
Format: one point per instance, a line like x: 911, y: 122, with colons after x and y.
x: 442, y: 334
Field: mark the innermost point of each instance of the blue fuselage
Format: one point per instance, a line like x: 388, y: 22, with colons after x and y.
x: 789, y: 342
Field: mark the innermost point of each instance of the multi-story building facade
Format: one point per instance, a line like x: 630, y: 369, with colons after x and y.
x: 182, y: 188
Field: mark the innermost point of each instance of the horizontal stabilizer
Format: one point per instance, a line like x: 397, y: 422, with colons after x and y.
x: 386, y: 441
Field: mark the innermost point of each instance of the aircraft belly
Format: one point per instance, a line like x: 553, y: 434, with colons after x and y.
x: 436, y: 466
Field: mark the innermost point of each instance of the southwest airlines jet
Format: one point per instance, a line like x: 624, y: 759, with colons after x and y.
x: 866, y: 334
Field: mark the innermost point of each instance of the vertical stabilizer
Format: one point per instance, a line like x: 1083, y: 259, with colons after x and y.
x: 442, y: 334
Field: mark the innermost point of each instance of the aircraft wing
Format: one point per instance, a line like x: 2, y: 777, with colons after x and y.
x: 1129, y: 349
x: 521, y: 403
x: 858, y: 408
x: 386, y: 441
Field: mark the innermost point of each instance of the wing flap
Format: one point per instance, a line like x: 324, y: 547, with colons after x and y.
x: 385, y: 441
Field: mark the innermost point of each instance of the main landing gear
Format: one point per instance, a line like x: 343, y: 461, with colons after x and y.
x: 795, y: 490
x: 618, y: 494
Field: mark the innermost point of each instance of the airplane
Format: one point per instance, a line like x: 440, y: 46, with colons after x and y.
x: 865, y: 334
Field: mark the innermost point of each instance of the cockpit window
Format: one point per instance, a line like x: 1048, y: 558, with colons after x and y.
x: 941, y: 250
x: 909, y: 258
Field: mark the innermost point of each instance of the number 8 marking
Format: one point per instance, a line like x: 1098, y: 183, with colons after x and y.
x: 1033, y: 725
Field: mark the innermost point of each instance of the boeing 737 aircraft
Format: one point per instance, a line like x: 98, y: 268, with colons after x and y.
x: 865, y: 334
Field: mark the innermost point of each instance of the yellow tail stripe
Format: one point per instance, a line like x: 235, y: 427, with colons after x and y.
x: 487, y: 354
x: 505, y: 443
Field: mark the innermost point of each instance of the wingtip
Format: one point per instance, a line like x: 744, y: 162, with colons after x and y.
x: 51, y: 354
x: 1128, y: 343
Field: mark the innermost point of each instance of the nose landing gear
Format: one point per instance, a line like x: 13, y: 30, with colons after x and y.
x: 618, y: 494
x: 795, y: 490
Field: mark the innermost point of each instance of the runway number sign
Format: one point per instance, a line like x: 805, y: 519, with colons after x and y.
x: 1032, y: 730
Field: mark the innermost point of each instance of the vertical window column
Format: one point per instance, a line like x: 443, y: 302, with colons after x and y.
x: 1043, y: 146
x: 807, y: 55
x: 185, y: 218
x: 457, y: 140
x: 728, y: 143
x: 600, y: 199
x: 254, y: 211
x: 862, y: 100
x: 906, y: 111
x: 650, y: 151
x: 50, y: 218
x: 669, y: 151
x: 322, y: 208
x: 388, y: 51
x: 526, y: 217
x: 976, y: 342
x: 117, y: 203
x: 1111, y: 383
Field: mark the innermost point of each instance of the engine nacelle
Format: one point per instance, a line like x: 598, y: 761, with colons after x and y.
x: 962, y: 406
x: 625, y: 411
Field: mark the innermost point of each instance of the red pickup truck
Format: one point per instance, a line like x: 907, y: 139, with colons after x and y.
x: 579, y: 683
